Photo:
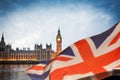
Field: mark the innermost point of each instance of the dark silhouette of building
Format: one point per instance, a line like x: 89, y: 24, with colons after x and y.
x: 38, y: 54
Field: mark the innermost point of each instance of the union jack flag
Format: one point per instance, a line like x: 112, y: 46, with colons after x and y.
x: 93, y: 58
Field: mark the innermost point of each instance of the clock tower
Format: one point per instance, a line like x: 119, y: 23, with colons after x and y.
x: 58, y: 42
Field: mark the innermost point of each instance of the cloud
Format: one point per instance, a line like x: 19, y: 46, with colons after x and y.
x: 25, y: 27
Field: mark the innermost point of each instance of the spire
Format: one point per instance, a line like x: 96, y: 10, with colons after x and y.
x: 2, y: 39
x: 59, y: 31
x: 2, y: 43
x: 59, y: 34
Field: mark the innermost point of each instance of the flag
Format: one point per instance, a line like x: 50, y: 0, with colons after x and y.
x: 92, y: 58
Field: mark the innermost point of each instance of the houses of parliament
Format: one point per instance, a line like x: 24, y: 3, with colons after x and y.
x: 37, y: 54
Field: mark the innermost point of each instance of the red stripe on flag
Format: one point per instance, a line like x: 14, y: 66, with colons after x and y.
x: 118, y: 66
x: 59, y: 58
x: 115, y: 39
x: 90, y: 64
x: 36, y: 68
x: 62, y: 58
x: 96, y: 64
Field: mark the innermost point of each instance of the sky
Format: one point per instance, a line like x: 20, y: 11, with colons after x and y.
x: 29, y: 22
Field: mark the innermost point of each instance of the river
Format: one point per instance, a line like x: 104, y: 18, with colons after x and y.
x: 17, y: 72
x: 14, y: 72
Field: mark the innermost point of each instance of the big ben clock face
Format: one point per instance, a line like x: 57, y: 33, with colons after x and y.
x: 58, y: 39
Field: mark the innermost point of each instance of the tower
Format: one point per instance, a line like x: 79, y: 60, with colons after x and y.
x: 2, y: 43
x: 58, y: 42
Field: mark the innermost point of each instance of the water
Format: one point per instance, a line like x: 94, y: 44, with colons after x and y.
x: 14, y: 72
x: 17, y: 72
